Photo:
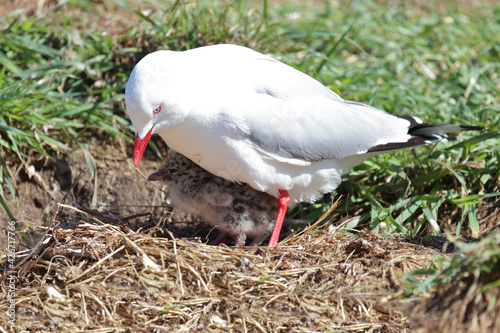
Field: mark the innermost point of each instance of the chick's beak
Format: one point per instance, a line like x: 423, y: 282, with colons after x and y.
x: 140, y: 146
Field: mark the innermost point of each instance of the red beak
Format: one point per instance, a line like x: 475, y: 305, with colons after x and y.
x: 140, y: 146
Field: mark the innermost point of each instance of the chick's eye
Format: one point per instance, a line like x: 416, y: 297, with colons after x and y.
x: 157, y: 109
x: 172, y: 171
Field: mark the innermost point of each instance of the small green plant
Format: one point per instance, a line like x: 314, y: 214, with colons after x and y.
x: 464, y: 288
x: 477, y: 264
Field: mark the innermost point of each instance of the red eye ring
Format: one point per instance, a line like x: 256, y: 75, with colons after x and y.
x: 158, y: 109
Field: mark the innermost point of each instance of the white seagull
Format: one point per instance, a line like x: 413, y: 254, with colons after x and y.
x: 252, y: 119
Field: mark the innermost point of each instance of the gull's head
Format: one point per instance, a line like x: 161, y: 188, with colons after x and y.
x: 146, y: 98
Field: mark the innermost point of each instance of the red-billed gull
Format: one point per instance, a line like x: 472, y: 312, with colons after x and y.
x: 249, y: 118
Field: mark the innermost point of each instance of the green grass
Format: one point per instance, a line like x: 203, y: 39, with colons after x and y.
x: 58, y: 85
x: 468, y: 280
x: 476, y: 262
x: 48, y: 86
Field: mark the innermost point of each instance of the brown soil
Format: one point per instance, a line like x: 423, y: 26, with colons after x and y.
x: 121, y: 188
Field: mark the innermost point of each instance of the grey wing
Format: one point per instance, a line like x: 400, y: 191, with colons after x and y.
x: 322, y: 134
x: 292, y: 115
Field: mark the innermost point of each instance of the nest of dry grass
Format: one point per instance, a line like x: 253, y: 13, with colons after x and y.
x: 104, y: 277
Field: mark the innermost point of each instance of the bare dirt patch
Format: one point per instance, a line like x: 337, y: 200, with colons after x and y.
x: 42, y: 183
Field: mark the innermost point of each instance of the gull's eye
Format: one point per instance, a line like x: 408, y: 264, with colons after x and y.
x: 172, y: 171
x: 157, y: 109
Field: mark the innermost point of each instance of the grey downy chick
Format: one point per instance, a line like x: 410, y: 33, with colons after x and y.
x: 235, y: 209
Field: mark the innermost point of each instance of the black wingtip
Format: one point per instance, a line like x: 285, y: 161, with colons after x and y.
x: 473, y: 128
x: 431, y: 129
x: 424, y: 134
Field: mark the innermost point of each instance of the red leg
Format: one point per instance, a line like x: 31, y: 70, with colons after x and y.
x: 283, y: 201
